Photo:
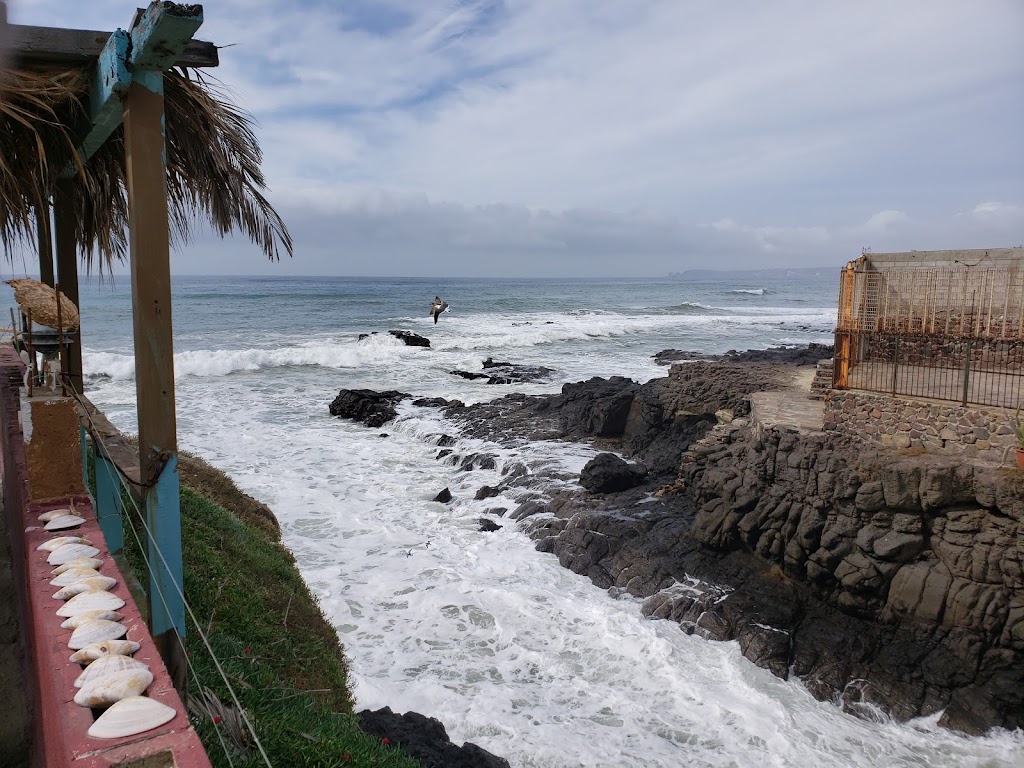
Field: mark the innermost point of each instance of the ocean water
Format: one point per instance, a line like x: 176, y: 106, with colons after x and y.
x: 507, y: 648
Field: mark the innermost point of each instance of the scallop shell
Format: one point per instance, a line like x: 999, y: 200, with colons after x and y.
x: 95, y: 583
x: 103, y: 648
x: 71, y: 552
x: 90, y: 601
x: 48, y: 516
x: 136, y: 714
x: 95, y: 631
x: 64, y: 521
x: 104, y: 691
x: 75, y: 622
x: 107, y: 665
x: 71, y: 575
x: 60, y: 541
x: 80, y: 562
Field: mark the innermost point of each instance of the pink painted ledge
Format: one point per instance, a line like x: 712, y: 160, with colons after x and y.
x: 64, y: 723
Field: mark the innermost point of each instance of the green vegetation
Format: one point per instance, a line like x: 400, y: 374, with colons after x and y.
x: 281, y: 655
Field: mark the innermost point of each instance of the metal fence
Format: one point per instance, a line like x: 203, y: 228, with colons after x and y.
x: 944, y: 333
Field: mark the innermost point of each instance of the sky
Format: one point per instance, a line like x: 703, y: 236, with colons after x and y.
x: 612, y: 137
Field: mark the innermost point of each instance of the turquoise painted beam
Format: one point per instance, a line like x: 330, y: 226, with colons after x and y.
x: 158, y: 36
x: 166, y: 584
x: 110, y: 83
x: 108, y: 503
x: 161, y: 32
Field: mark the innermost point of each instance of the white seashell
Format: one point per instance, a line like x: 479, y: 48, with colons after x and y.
x: 95, y: 583
x: 64, y: 521
x: 76, y: 621
x: 111, y: 688
x: 71, y: 575
x: 90, y: 601
x: 71, y: 552
x: 60, y: 541
x: 48, y: 516
x: 136, y: 714
x: 103, y: 648
x: 95, y: 631
x: 80, y: 562
x: 105, y: 666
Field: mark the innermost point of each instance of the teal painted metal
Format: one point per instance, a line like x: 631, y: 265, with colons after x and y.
x: 109, y: 84
x: 163, y: 519
x: 108, y: 504
x: 160, y: 34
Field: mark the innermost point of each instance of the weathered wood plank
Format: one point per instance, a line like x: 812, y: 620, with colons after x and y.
x: 40, y: 44
x: 67, y: 273
x: 149, y: 248
x: 109, y: 84
x: 160, y: 32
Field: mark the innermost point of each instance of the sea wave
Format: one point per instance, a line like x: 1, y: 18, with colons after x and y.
x: 751, y: 291
x: 377, y: 349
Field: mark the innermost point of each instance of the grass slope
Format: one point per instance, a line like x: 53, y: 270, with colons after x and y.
x: 281, y: 655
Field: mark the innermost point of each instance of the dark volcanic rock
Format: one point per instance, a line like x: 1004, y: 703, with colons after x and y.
x: 425, y: 739
x: 364, y: 405
x: 607, y: 472
x: 507, y: 373
x: 444, y: 496
x: 436, y: 402
x: 488, y: 526
x: 411, y: 339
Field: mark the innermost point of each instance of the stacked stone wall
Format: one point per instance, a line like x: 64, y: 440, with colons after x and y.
x: 977, y: 433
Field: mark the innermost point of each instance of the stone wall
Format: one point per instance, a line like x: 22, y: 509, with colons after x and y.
x: 973, y: 432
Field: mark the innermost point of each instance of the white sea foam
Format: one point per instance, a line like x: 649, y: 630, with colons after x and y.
x: 751, y: 291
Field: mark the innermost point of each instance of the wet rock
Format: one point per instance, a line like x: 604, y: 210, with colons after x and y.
x: 426, y: 740
x: 607, y: 472
x: 367, y: 406
x: 444, y: 496
x: 411, y: 339
x: 486, y: 492
x: 488, y: 526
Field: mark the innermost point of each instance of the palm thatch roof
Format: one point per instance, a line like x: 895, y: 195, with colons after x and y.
x: 213, y: 164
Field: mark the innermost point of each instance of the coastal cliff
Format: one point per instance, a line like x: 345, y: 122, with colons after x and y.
x: 888, y: 582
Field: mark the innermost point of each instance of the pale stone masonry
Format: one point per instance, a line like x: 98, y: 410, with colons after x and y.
x: 938, y: 427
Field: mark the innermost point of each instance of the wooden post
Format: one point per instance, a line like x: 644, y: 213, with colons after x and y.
x: 149, y: 244
x: 45, y: 240
x: 67, y: 275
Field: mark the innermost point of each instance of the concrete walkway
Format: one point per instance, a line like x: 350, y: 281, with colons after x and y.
x: 790, y: 406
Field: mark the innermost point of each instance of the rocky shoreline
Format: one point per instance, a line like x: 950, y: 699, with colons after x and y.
x: 887, y: 582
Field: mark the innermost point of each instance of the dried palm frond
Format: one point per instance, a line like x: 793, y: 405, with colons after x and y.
x: 213, y: 165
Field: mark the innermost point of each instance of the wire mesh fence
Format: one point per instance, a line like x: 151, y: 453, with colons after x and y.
x: 946, y: 333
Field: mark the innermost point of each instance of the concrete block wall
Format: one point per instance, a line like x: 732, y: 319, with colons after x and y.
x: 938, y: 427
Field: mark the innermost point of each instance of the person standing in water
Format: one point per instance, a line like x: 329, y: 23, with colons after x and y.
x: 437, y: 308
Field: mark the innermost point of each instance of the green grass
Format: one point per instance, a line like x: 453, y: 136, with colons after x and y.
x: 281, y: 655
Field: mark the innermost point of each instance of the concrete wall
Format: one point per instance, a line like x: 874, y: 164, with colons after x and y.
x: 987, y: 258
x: 974, y: 432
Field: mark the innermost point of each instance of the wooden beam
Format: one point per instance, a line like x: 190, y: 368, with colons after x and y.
x: 109, y: 84
x: 67, y: 274
x: 49, y: 44
x: 149, y: 247
x: 160, y: 32
x: 44, y: 238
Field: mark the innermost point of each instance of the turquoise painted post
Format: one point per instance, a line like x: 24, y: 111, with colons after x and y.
x: 108, y: 504
x: 165, y: 564
x: 82, y: 434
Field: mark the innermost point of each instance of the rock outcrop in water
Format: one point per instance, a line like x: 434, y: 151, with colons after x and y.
x: 425, y: 739
x: 366, y: 406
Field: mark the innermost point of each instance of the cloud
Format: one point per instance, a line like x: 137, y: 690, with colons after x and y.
x: 772, y: 131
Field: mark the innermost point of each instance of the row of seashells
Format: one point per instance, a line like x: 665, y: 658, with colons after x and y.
x: 111, y: 678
